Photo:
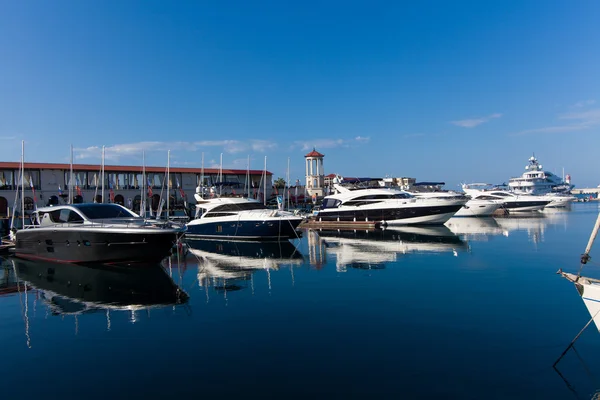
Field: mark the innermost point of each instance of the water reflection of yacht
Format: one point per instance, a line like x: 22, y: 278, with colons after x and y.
x: 534, y: 223
x: 76, y: 289
x: 372, y: 249
x: 221, y: 262
x: 8, y: 279
x: 475, y: 228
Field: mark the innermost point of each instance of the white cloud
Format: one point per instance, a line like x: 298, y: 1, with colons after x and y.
x: 473, y: 122
x: 581, y: 120
x: 262, y: 146
x: 328, y: 143
x: 115, y: 152
x: 583, y: 103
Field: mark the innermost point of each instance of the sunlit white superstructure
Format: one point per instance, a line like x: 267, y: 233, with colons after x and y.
x: 388, y: 206
x: 538, y: 182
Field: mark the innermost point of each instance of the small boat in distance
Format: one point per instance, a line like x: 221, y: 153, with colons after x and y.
x: 95, y: 233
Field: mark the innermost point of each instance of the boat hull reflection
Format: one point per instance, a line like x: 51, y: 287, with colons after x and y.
x: 372, y: 249
x: 236, y: 260
x: 76, y: 288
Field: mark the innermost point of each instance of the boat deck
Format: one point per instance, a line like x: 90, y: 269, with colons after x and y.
x: 314, y: 224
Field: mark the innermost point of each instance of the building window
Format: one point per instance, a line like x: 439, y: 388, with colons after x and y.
x: 32, y: 177
x: 6, y: 179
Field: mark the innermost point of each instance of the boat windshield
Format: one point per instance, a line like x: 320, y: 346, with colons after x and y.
x: 238, y: 207
x: 104, y: 211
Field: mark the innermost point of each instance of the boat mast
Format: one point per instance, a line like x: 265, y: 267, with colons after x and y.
x: 71, y: 178
x: 248, y: 176
x: 202, y: 177
x: 221, y: 175
x: 168, y: 180
x: 23, y: 184
x: 265, y: 182
x: 287, y: 183
x: 142, y: 186
x: 102, y: 174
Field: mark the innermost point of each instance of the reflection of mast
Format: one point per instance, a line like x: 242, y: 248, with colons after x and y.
x: 26, y: 312
x: 316, y: 250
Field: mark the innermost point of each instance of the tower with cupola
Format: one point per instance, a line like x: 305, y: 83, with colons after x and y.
x: 315, y: 176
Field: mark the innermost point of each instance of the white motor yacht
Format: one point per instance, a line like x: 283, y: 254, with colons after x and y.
x: 512, y: 202
x: 536, y: 181
x: 240, y: 218
x: 473, y: 208
x: 387, y: 206
x: 95, y: 233
x: 479, y: 208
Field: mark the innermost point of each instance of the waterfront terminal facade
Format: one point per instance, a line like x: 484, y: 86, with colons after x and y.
x: 48, y: 183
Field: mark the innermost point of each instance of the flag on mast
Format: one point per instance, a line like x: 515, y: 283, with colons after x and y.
x: 111, y: 193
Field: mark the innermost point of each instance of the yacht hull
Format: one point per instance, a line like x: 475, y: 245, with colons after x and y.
x: 476, y: 209
x: 560, y: 202
x: 81, y: 246
x: 275, y: 229
x: 427, y: 215
x: 519, y: 206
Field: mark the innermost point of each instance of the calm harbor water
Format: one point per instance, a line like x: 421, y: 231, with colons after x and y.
x: 467, y: 311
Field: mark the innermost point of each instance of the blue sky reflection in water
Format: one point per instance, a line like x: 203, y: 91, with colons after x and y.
x: 470, y: 310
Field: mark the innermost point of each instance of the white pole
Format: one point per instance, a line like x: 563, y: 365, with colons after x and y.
x: 142, y: 186
x: 202, y: 177
x: 168, y: 181
x: 221, y: 175
x: 287, y: 183
x: 248, y: 176
x: 102, y: 174
x: 23, y: 183
x: 71, y: 178
x: 265, y: 182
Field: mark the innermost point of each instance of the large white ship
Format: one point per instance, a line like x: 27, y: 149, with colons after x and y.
x: 539, y: 182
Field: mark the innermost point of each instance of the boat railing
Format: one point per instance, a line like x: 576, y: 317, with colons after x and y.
x: 125, y: 224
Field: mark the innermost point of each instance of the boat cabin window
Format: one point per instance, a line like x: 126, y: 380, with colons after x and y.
x: 65, y: 216
x: 331, y: 203
x: 485, y: 197
x: 238, y: 207
x: 105, y: 211
x: 501, y: 194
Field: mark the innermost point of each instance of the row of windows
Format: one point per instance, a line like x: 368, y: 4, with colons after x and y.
x: 9, y: 179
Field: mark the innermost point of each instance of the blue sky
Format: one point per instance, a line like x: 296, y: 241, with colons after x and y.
x: 438, y: 90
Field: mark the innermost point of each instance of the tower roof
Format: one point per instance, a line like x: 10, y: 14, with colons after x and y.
x: 314, y: 153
